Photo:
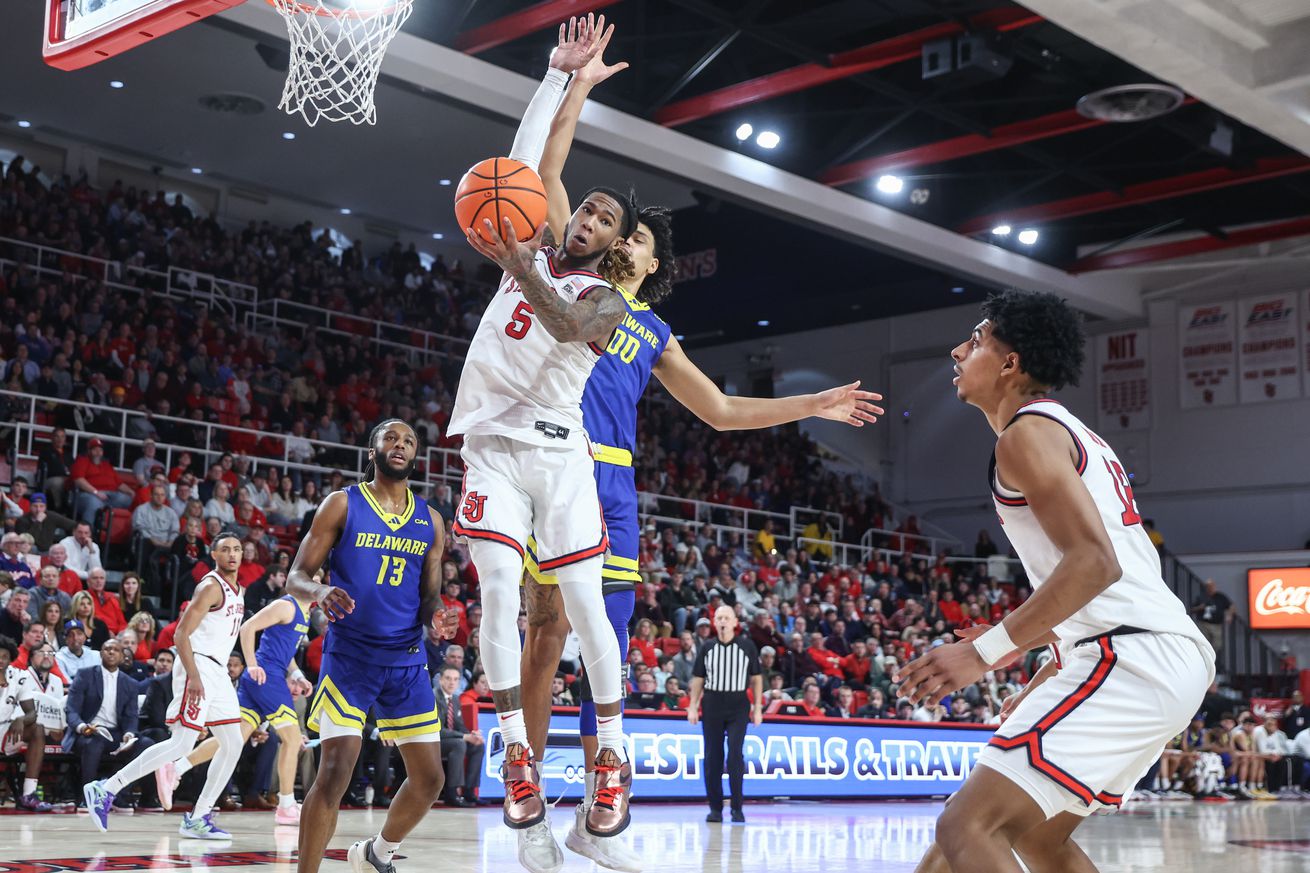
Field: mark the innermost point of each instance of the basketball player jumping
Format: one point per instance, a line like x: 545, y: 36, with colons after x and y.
x: 1080, y: 739
x: 642, y: 344
x: 383, y: 547
x: 264, y: 694
x: 203, y: 697
x: 527, y: 458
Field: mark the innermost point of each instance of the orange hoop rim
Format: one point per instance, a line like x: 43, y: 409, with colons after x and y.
x: 326, y: 12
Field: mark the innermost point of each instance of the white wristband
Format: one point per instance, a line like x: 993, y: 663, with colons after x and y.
x: 994, y: 645
x: 297, y: 675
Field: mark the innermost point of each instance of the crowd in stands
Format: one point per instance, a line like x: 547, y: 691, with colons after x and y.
x: 830, y: 635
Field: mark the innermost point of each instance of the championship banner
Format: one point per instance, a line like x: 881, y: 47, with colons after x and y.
x: 1123, y: 381
x: 1279, y: 598
x: 1269, y: 348
x: 1207, y: 348
x: 785, y: 757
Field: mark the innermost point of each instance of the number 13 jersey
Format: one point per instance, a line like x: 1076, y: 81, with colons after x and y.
x: 1140, y: 597
x: 518, y: 380
x: 379, y: 562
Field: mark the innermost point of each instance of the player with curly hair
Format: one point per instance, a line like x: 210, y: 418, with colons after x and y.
x: 1077, y: 739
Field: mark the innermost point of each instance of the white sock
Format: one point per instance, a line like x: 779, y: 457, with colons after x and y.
x: 29, y: 787
x: 181, y: 767
x: 609, y: 734
x: 512, y: 727
x: 383, y: 850
x: 590, y: 782
x: 286, y: 800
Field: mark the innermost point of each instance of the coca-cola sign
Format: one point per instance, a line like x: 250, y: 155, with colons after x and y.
x: 1280, y: 598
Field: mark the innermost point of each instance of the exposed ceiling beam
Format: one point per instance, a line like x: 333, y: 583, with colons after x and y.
x: 538, y: 17
x: 1195, y: 246
x: 1137, y: 195
x: 843, y: 65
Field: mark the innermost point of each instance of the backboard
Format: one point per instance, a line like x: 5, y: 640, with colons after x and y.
x: 83, y: 32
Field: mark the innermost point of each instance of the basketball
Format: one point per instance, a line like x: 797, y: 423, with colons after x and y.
x: 497, y: 188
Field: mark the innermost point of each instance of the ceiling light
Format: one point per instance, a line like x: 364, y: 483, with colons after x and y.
x: 345, y: 210
x: 891, y: 184
x: 288, y: 135
x: 115, y: 84
x: 957, y: 290
x: 744, y: 132
x: 24, y: 123
x: 768, y: 139
x: 1028, y: 237
x: 1001, y: 230
x: 763, y: 322
x: 444, y: 182
x: 197, y: 171
x: 438, y: 236
x: 679, y: 337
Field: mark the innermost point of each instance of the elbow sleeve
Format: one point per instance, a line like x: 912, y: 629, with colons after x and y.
x: 530, y: 141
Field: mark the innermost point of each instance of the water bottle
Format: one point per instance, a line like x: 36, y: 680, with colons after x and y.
x: 368, y: 794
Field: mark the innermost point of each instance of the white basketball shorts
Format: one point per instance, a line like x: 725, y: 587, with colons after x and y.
x: 218, y: 706
x: 513, y: 489
x: 1083, y: 738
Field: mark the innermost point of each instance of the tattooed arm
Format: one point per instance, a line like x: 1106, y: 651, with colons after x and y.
x: 590, y: 319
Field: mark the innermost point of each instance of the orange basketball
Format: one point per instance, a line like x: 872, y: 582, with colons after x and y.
x: 499, y: 188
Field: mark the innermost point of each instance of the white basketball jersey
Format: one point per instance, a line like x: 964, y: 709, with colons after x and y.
x: 216, y: 635
x: 518, y: 381
x: 1140, y: 597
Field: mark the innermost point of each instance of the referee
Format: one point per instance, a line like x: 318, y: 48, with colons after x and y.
x: 723, y: 667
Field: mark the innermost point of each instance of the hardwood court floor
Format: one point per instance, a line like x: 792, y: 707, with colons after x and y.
x: 792, y: 837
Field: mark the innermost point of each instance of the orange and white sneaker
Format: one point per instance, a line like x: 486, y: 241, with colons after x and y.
x: 608, y: 814
x: 524, y: 805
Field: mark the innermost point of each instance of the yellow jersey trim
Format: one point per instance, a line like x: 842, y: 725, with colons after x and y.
x: 389, y: 519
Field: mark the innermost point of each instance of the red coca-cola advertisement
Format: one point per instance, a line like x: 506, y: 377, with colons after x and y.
x: 1280, y: 598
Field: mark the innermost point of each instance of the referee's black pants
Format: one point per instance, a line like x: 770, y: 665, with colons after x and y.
x: 718, y: 720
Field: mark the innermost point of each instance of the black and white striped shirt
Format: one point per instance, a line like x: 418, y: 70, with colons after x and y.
x: 727, y: 667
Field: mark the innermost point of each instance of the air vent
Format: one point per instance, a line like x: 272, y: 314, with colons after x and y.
x: 1124, y: 103
x: 233, y: 104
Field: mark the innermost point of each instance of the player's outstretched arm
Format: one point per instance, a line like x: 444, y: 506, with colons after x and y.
x: 565, y: 124
x: 329, y: 521
x: 694, y: 390
x: 277, y: 612
x: 590, y: 319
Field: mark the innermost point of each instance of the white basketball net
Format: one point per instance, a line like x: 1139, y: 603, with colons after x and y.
x: 336, y: 54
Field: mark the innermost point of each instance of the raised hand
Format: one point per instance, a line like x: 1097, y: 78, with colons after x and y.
x: 577, y: 43
x: 849, y: 404
x: 445, y: 622
x: 596, y: 70
x: 510, y: 255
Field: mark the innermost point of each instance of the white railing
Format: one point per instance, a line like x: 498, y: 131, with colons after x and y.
x: 357, y: 325
x: 176, y: 282
x: 702, y: 512
x: 411, y: 352
x: 920, y: 545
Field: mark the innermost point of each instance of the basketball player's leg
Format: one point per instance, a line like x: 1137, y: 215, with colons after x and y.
x: 406, y: 712
x: 543, y: 646
x: 978, y: 830
x: 1047, y: 848
x: 288, y: 756
x: 181, y: 741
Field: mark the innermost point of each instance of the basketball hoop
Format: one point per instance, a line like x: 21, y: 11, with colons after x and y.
x: 336, y: 54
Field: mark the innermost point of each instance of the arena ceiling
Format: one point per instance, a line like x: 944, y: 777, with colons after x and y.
x: 842, y: 84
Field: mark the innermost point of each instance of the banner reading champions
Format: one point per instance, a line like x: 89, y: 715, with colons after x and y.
x: 1269, y: 344
x: 784, y: 758
x: 1207, y: 346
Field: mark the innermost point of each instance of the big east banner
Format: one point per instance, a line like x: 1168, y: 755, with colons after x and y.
x: 785, y: 758
x: 1280, y: 598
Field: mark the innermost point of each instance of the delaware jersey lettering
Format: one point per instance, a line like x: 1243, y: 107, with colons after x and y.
x: 518, y: 380
x: 278, y: 642
x: 609, y: 404
x: 379, y: 562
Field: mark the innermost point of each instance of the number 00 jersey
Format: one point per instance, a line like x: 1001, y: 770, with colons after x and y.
x: 518, y: 380
x: 379, y: 562
x: 1140, y: 598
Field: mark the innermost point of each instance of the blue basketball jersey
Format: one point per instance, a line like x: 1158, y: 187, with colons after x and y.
x: 278, y: 642
x: 379, y: 562
x: 609, y: 403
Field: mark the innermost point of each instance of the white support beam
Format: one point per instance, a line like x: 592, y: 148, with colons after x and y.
x: 467, y: 79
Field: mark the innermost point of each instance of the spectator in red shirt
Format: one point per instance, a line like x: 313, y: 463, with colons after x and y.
x: 108, y: 612
x: 855, y: 667
x: 182, y: 468
x: 166, y: 633
x: 251, y: 570
x: 97, y: 483
x: 643, y: 640
x: 1001, y: 608
x: 951, y: 609
x: 828, y: 662
x: 69, y: 582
